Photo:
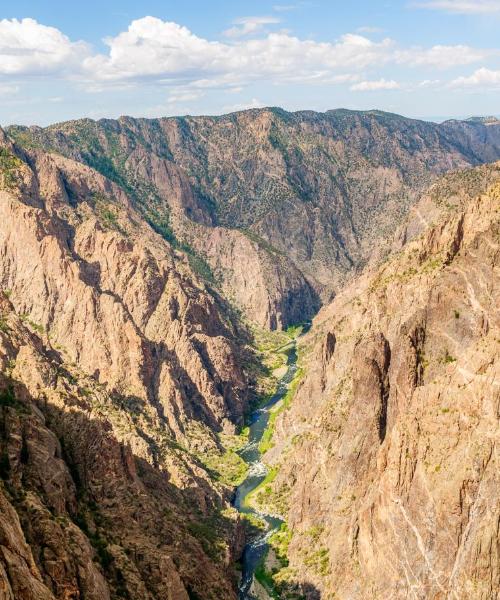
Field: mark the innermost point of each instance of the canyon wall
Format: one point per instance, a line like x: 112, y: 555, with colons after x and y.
x: 313, y: 193
x: 119, y: 367
x: 388, y: 457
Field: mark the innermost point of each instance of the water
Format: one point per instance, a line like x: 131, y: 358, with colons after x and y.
x: 255, y: 551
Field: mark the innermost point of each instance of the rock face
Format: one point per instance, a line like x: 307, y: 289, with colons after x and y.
x: 84, y: 512
x: 114, y: 356
x: 389, y: 451
x: 314, y: 191
x: 125, y: 247
x: 115, y: 298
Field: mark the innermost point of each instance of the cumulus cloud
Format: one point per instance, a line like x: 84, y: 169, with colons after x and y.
x: 254, y: 103
x: 166, y: 53
x: 368, y: 29
x: 440, y: 57
x: 27, y: 47
x: 154, y: 48
x: 463, y: 6
x: 373, y: 86
x: 482, y: 78
x: 249, y: 25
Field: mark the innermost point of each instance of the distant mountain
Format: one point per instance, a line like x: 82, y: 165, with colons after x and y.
x: 484, y: 120
x: 305, y: 197
x: 143, y: 264
x: 386, y: 464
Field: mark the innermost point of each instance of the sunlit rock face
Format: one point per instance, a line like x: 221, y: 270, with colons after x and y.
x: 112, y: 352
x: 305, y: 197
x: 388, y: 455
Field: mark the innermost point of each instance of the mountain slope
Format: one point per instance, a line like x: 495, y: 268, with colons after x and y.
x: 85, y: 512
x: 314, y: 191
x: 119, y: 368
x: 389, y: 453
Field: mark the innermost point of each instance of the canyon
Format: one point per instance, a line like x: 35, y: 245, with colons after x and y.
x: 151, y: 273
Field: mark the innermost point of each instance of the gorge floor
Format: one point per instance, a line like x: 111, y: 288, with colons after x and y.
x: 255, y: 550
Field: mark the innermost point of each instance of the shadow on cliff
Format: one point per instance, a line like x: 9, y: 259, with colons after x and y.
x: 139, y: 519
x: 310, y: 591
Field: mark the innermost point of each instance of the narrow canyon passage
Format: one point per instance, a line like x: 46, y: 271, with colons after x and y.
x: 256, y: 549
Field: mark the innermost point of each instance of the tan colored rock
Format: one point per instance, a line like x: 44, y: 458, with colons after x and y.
x: 110, y: 349
x: 394, y: 462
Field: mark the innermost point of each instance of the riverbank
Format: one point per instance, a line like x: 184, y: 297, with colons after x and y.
x: 250, y: 496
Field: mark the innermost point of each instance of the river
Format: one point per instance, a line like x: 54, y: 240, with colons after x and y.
x: 255, y: 550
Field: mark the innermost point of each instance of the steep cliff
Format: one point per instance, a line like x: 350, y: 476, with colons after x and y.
x: 118, y: 367
x: 85, y: 510
x: 387, y: 461
x: 315, y: 191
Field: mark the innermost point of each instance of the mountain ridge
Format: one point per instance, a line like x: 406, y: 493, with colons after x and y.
x: 318, y: 188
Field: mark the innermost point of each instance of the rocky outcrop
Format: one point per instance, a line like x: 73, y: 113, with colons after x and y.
x: 388, y: 454
x: 82, y: 267
x: 255, y: 277
x: 316, y: 191
x: 87, y: 511
x: 117, y: 365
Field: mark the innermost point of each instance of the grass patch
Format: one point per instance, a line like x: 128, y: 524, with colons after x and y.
x: 227, y: 467
x: 266, y: 443
x: 9, y: 169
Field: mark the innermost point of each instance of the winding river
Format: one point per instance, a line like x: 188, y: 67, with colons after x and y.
x: 255, y: 550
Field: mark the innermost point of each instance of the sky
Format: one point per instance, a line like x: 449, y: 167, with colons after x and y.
x: 429, y: 59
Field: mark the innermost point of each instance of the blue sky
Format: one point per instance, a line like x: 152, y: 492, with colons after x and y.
x: 423, y: 58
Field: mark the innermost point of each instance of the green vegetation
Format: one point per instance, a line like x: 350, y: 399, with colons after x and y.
x: 279, y: 542
x: 276, y: 576
x: 106, y: 211
x: 263, y: 490
x: 9, y: 169
x: 315, y: 533
x: 266, y: 442
x: 318, y: 561
x: 447, y: 358
x: 98, y: 541
x: 4, y: 327
x: 8, y: 400
x: 34, y: 326
x: 261, y: 242
x: 226, y: 466
x: 206, y: 532
x: 7, y: 397
x: 253, y: 524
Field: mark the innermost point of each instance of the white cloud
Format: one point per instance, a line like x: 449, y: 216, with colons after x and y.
x: 152, y: 48
x: 368, y: 29
x: 482, y: 78
x: 170, y: 55
x: 249, y: 25
x: 8, y: 90
x: 429, y: 83
x: 254, y: 103
x: 184, y: 95
x: 373, y: 86
x: 440, y: 57
x: 463, y: 6
x: 27, y: 47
